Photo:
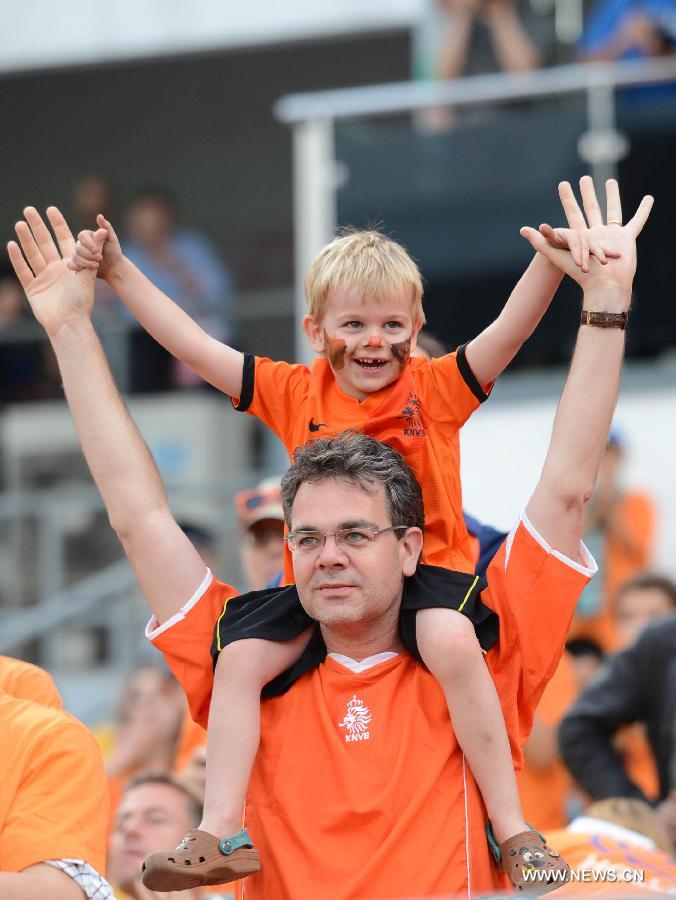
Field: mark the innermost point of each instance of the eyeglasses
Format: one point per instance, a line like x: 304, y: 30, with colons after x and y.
x: 347, y: 539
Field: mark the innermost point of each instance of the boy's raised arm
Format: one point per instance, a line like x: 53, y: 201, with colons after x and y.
x: 168, y: 567
x: 171, y: 327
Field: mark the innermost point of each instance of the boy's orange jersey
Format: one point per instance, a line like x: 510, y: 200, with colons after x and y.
x: 359, y: 788
x: 420, y: 415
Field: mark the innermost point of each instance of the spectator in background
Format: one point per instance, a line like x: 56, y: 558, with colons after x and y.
x: 637, y: 685
x: 629, y: 29
x: 53, y: 806
x: 619, y: 530
x: 475, y: 37
x: 619, y: 835
x: 261, y: 520
x: 151, y: 713
x: 22, y: 364
x: 156, y: 810
x: 92, y: 195
x: 181, y: 263
x: 587, y: 658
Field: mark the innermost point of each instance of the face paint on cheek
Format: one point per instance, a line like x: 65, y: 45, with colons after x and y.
x: 335, y: 351
x: 402, y: 353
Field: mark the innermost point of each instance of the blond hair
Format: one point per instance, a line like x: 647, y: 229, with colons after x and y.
x: 368, y: 261
x: 629, y: 812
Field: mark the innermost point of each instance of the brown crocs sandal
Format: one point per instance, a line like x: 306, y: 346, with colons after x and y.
x: 532, y: 866
x: 201, y: 859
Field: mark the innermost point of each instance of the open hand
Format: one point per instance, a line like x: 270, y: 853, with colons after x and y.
x: 618, y: 241
x: 56, y: 294
x: 88, y: 254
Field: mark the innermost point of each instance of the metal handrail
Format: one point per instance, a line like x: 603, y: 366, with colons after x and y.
x: 406, y: 96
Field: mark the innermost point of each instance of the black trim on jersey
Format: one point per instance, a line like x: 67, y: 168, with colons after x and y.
x: 469, y: 376
x: 248, y: 378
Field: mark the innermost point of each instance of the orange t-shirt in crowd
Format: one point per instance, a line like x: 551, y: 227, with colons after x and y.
x: 28, y: 682
x: 359, y: 788
x: 544, y: 792
x: 602, y: 847
x: 636, y: 513
x: 53, y: 791
x: 190, y: 738
x: 420, y: 415
x: 631, y: 742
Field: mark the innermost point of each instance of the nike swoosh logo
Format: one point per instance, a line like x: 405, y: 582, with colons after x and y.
x: 316, y: 426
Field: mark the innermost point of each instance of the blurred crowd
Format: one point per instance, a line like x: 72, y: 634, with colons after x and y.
x: 179, y: 260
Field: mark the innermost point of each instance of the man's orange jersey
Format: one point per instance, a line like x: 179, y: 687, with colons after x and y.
x: 615, y: 862
x: 28, y: 682
x: 53, y: 792
x: 545, y: 791
x: 420, y: 415
x: 359, y: 788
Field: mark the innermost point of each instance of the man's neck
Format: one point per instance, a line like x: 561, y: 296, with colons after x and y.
x: 358, y: 646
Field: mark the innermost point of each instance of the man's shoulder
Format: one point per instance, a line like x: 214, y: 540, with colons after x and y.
x: 32, y: 723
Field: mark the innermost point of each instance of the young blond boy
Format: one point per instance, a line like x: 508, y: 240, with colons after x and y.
x: 364, y: 297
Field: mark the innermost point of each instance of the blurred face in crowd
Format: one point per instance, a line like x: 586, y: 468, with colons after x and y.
x: 150, y: 221
x: 262, y: 552
x: 636, y: 607
x: 367, y: 342
x: 586, y: 667
x: 352, y: 588
x: 11, y: 306
x: 150, y: 817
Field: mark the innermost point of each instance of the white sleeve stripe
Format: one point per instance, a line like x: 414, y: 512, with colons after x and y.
x: 154, y: 630
x: 588, y: 568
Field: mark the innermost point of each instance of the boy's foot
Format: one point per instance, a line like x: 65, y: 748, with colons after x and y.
x: 201, y: 859
x: 532, y: 866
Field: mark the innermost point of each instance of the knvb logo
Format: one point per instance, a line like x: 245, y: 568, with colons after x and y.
x: 412, y: 416
x: 356, y: 721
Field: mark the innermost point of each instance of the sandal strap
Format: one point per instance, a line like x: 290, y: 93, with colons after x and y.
x: 229, y: 845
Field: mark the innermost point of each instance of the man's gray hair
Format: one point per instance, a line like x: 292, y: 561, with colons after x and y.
x: 366, y: 462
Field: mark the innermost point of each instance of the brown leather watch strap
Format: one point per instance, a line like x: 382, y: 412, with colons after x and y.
x: 604, y: 319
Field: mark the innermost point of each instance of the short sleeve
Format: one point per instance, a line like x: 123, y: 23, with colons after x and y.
x: 185, y: 640
x: 60, y: 809
x: 534, y: 589
x: 448, y: 389
x: 273, y: 392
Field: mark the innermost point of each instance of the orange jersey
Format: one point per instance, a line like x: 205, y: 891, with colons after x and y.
x: 420, y: 415
x: 53, y: 793
x: 28, y: 682
x: 609, y: 852
x: 359, y: 788
x: 545, y: 791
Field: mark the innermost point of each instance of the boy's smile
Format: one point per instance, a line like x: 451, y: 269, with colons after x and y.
x: 367, y: 342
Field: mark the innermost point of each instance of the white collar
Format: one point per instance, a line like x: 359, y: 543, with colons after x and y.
x: 589, y: 825
x: 362, y: 665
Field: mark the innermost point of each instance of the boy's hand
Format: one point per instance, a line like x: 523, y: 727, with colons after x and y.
x: 618, y: 240
x: 581, y: 244
x: 88, y: 255
x: 57, y: 296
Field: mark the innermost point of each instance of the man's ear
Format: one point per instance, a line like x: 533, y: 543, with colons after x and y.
x: 314, y: 332
x: 410, y: 547
x: 417, y: 325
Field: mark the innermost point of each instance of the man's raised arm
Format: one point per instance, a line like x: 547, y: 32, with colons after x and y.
x: 583, y: 418
x: 168, y: 567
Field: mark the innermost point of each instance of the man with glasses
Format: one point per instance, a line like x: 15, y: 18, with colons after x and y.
x: 359, y: 787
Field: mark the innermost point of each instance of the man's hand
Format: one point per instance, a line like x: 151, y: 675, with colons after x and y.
x: 603, y: 284
x: 89, y: 254
x: 56, y: 294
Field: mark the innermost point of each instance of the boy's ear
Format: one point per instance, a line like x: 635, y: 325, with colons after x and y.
x: 417, y: 325
x: 315, y: 333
